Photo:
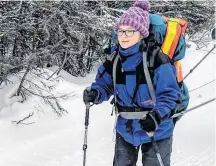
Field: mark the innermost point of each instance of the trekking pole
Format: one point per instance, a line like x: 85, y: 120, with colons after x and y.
x: 199, y: 62
x: 191, y: 109
x: 150, y: 134
x: 202, y: 85
x: 157, y: 151
x: 86, y: 130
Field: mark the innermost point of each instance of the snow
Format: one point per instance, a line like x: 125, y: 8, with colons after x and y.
x: 57, y: 141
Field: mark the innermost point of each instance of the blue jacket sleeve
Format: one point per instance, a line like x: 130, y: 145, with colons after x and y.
x: 167, y: 89
x: 103, y: 82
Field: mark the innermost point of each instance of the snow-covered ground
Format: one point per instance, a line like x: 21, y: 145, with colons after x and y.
x: 57, y: 141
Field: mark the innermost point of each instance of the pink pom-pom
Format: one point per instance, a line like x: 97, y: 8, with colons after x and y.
x: 144, y: 4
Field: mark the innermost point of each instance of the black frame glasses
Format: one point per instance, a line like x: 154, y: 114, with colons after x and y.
x: 128, y: 33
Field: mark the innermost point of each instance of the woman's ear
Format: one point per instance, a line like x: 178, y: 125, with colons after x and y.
x: 141, y: 38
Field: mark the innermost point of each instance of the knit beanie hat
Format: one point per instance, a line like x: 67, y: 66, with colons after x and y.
x: 137, y: 17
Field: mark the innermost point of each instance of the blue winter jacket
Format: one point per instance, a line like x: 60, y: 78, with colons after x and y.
x: 167, y: 90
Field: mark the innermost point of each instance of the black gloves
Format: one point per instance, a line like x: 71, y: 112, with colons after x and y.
x: 90, y: 95
x: 151, y: 122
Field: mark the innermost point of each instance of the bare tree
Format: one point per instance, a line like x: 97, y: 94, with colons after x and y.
x: 73, y: 34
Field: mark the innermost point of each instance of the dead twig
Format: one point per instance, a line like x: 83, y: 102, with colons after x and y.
x: 21, y: 121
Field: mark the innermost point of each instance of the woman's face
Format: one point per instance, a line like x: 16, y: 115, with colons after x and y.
x: 128, y: 36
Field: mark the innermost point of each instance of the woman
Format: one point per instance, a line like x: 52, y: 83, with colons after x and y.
x: 131, y: 91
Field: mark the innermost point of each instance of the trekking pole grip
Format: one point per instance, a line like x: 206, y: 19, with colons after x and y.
x: 87, y: 104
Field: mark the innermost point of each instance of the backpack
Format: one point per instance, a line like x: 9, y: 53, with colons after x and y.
x: 175, y: 28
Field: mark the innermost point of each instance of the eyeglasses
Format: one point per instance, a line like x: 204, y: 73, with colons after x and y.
x: 128, y: 33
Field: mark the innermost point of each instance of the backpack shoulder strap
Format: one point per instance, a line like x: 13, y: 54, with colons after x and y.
x: 114, y: 74
x: 148, y: 78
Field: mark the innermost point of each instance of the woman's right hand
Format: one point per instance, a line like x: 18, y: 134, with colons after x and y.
x: 90, y: 95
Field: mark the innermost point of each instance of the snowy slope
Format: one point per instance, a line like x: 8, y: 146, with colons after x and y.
x: 194, y: 137
x: 57, y: 141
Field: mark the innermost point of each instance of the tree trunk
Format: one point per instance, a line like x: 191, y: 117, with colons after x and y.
x: 23, y: 78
